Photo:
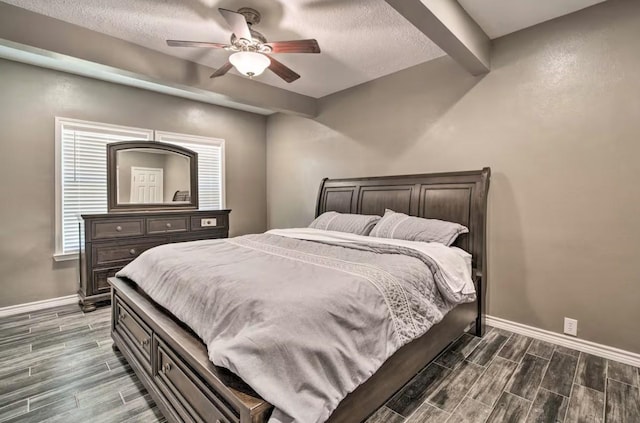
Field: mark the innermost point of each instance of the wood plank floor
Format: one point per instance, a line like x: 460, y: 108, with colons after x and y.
x: 57, y: 365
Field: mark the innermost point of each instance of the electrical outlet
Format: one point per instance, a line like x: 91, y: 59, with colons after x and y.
x: 570, y: 326
x: 209, y: 222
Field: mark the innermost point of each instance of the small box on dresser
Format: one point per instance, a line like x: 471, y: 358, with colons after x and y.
x: 112, y: 240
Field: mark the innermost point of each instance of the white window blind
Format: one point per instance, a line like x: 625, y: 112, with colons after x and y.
x: 82, y: 173
x: 210, y: 166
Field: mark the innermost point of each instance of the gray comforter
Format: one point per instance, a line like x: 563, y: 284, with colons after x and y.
x: 302, y: 321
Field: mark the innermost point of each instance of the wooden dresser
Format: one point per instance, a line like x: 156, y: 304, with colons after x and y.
x: 113, y: 240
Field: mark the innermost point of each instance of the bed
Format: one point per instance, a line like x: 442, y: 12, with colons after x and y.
x: 172, y: 361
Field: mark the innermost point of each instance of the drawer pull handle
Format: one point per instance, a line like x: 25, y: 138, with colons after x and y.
x: 132, y: 251
x: 144, y: 342
x: 122, y: 316
x: 118, y: 228
x: 168, y: 225
x: 166, y: 368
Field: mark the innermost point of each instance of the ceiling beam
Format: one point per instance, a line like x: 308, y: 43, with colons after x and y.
x: 37, y: 39
x: 448, y: 25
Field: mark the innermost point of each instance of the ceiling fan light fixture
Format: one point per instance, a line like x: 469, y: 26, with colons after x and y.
x: 249, y: 63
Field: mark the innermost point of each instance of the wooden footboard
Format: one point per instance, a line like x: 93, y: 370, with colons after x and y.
x: 174, y: 366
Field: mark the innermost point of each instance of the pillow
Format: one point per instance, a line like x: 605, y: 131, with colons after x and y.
x: 359, y: 224
x: 400, y: 226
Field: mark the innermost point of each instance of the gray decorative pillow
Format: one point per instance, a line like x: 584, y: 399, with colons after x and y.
x: 400, y: 226
x: 359, y: 224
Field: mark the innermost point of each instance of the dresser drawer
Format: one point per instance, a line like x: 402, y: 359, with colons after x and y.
x: 122, y: 253
x: 216, y: 221
x: 167, y: 224
x: 117, y: 228
x: 180, y: 382
x: 100, y: 277
x: 138, y: 334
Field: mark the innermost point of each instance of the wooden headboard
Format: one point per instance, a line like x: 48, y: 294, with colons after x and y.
x: 455, y: 196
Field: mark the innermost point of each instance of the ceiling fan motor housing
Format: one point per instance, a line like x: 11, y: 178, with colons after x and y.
x: 240, y: 44
x: 251, y: 15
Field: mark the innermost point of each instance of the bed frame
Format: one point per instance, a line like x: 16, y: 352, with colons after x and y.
x: 172, y: 362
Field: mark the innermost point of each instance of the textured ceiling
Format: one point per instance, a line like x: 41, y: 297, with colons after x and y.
x: 360, y: 39
x: 502, y: 17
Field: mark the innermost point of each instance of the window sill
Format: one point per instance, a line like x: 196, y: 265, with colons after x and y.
x: 65, y: 256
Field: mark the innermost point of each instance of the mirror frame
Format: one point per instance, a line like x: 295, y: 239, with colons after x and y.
x: 112, y: 163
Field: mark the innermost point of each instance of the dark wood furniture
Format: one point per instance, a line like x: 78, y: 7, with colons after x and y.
x: 114, y: 239
x: 113, y: 150
x: 172, y: 362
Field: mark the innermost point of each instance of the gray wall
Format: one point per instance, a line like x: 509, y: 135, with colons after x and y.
x: 31, y: 97
x: 557, y: 119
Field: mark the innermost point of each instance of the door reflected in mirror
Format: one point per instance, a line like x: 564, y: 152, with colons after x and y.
x: 152, y: 176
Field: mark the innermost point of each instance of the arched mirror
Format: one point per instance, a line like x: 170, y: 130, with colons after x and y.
x: 149, y: 175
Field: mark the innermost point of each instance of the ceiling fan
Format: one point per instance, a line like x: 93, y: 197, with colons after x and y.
x: 251, y: 48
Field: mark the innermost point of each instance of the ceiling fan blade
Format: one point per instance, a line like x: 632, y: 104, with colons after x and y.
x: 296, y: 46
x: 179, y: 43
x: 237, y: 23
x: 282, y: 71
x: 222, y: 70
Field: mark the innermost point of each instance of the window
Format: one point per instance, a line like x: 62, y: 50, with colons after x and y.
x: 81, y: 172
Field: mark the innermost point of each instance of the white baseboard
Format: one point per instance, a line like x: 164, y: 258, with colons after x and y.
x: 38, y: 305
x: 589, y: 347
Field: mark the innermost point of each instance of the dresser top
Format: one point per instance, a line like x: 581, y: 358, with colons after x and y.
x: 148, y: 213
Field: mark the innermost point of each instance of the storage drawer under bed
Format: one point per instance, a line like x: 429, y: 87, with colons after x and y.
x: 175, y: 379
x: 135, y: 331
